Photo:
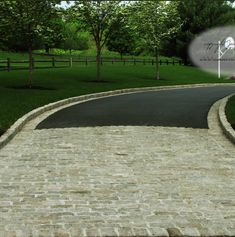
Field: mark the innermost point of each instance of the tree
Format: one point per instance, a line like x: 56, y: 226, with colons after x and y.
x: 122, y: 39
x: 99, y: 18
x: 52, y: 35
x: 197, y: 16
x: 73, y: 38
x: 27, y: 20
x: 156, y: 21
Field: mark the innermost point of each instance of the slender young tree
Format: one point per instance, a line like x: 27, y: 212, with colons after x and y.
x: 27, y: 20
x: 156, y: 20
x: 99, y: 18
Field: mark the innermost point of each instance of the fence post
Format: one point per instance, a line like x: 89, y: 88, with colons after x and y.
x: 173, y: 62
x: 33, y: 63
x: 167, y: 62
x: 112, y: 61
x: 8, y: 64
x: 144, y: 61
x: 53, y: 62
x: 160, y: 62
x: 71, y: 62
x: 124, y: 61
x: 152, y: 62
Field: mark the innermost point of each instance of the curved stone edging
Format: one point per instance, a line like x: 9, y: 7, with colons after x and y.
x: 20, y: 123
x: 225, y: 125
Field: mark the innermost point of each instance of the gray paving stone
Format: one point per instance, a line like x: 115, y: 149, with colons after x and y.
x: 107, y: 231
x: 140, y: 232
x: 174, y: 232
x: 118, y: 181
x: 190, y: 231
x: 157, y: 231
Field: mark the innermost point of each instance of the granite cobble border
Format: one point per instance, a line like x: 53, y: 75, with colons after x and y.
x: 20, y: 123
x: 225, y: 125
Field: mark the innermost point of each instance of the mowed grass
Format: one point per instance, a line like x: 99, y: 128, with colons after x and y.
x: 60, y: 83
x: 230, y: 111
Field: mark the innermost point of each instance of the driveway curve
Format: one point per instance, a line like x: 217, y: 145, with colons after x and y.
x: 172, y: 108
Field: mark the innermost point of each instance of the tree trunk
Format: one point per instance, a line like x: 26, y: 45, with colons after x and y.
x: 47, y: 50
x: 98, y: 63
x: 30, y: 67
x: 157, y: 65
x: 185, y: 60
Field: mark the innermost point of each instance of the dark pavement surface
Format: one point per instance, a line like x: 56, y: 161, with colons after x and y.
x: 173, y: 108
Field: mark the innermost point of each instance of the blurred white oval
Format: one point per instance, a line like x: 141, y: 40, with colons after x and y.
x: 229, y: 43
x: 213, y: 45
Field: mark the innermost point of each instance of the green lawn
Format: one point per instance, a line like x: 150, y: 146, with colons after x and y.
x: 230, y: 111
x: 60, y: 83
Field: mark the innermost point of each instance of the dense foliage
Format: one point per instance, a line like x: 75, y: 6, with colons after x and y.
x: 24, y: 22
x: 74, y: 39
x: 197, y: 16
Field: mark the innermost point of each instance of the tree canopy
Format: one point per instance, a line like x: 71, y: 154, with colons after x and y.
x: 27, y: 21
x: 74, y: 39
x: 156, y: 21
x: 197, y: 16
x: 99, y: 18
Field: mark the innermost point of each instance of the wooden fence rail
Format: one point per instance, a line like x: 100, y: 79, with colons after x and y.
x: 53, y: 62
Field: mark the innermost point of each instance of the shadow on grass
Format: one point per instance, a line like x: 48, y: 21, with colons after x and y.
x: 95, y: 81
x: 26, y: 87
x: 26, y: 68
x: 151, y: 78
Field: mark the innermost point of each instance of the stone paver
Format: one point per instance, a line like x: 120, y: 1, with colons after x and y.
x: 118, y: 181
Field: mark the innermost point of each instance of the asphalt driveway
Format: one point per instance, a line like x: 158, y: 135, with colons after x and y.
x: 172, y: 108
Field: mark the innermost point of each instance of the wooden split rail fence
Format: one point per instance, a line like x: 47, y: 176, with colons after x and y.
x: 53, y: 62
